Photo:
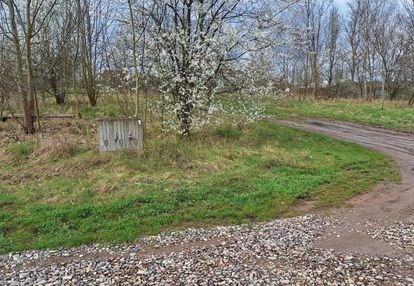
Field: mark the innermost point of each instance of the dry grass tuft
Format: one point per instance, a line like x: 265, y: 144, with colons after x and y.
x: 56, y: 147
x: 59, y: 146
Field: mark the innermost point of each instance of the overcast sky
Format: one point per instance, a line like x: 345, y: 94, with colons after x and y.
x: 340, y: 3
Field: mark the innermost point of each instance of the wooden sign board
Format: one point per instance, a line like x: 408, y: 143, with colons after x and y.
x: 120, y: 134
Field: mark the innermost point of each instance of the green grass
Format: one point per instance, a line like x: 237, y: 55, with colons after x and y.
x: 18, y: 149
x: 396, y: 115
x: 220, y: 176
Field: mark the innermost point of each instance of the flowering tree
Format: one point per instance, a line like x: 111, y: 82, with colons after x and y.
x: 251, y: 81
x: 193, y: 41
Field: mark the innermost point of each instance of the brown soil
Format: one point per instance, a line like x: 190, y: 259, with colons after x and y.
x: 388, y: 204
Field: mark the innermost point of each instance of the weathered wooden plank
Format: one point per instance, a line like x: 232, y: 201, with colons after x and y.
x: 120, y: 134
x: 52, y: 116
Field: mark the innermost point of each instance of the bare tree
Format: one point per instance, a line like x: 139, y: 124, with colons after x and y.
x: 316, y: 15
x: 6, y: 78
x: 55, y: 51
x: 93, y: 24
x: 25, y: 20
x: 391, y: 47
x: 409, y: 59
x: 332, y: 37
x: 353, y: 35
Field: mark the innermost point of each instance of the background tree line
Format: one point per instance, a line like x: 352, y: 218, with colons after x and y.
x: 362, y: 51
x: 178, y: 56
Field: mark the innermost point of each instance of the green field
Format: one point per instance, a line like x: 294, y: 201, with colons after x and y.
x: 64, y: 193
x: 395, y: 115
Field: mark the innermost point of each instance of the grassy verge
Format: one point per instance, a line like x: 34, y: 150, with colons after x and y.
x: 64, y: 193
x: 396, y: 115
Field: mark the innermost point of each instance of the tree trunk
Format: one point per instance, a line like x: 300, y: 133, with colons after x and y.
x: 184, y: 114
x: 57, y: 94
x: 75, y: 59
x: 87, y: 57
x: 411, y: 100
x: 383, y: 90
x: 315, y: 76
x: 30, y: 82
x: 185, y: 121
x: 2, y: 103
x: 306, y: 80
x: 134, y: 57
x: 24, y: 88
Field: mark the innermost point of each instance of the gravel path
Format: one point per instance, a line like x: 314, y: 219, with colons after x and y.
x: 370, y: 244
x: 280, y: 252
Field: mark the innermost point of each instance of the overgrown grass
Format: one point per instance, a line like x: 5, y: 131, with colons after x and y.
x: 218, y: 176
x: 396, y: 115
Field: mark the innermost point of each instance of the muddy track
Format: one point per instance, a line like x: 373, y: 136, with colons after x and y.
x: 388, y: 204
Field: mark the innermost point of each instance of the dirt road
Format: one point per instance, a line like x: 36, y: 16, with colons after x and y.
x: 389, y: 204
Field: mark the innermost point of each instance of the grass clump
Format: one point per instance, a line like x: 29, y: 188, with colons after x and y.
x: 228, y: 131
x: 19, y: 149
x: 58, y: 148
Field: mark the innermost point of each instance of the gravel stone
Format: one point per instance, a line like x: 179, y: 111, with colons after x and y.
x: 399, y: 234
x: 280, y: 252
